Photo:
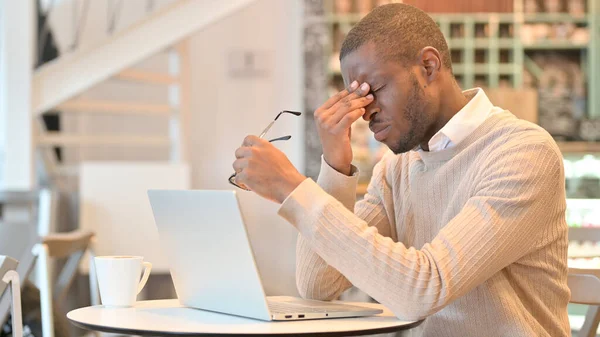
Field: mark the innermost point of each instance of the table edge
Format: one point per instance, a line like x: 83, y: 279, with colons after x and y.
x: 101, y: 328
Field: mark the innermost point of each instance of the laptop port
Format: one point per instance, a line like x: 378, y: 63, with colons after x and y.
x: 288, y: 316
x: 300, y: 316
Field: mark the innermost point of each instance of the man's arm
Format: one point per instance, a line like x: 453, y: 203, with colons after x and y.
x: 269, y: 173
x: 515, y: 202
x: 315, y: 279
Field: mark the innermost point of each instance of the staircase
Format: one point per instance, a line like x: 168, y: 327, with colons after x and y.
x: 60, y: 83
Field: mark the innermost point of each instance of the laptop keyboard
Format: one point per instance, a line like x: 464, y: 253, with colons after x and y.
x: 288, y: 308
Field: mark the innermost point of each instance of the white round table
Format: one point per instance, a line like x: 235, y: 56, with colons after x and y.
x: 168, y: 317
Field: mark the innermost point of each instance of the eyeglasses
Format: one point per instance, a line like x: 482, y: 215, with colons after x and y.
x: 262, y: 134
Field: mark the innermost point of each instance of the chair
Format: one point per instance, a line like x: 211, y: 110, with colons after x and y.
x: 8, y: 275
x: 73, y: 246
x: 585, y: 289
x: 585, y: 283
x: 18, y: 236
x: 22, y: 239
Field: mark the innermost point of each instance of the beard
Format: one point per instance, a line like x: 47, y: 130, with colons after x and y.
x: 415, y: 115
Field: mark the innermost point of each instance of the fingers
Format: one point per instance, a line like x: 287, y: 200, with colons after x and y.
x: 335, y: 98
x: 346, y: 103
x: 363, y: 90
x: 344, y: 98
x: 243, y: 152
x: 351, y: 106
x: 348, y: 119
x: 251, y: 140
x: 239, y: 180
x: 251, y: 146
x: 343, y: 104
x: 239, y: 165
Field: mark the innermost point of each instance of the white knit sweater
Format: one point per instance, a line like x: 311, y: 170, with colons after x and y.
x: 472, y: 238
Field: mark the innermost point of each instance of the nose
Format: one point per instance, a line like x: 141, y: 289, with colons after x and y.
x: 371, y: 110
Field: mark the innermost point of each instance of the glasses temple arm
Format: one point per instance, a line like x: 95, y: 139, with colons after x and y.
x: 262, y: 134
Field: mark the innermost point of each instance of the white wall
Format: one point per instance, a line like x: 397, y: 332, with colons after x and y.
x: 16, y: 45
x: 226, y: 108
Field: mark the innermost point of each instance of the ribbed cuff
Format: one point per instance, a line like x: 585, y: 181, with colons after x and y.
x: 307, y: 199
x: 339, y: 185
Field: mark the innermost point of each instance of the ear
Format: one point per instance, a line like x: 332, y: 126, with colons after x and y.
x: 431, y: 63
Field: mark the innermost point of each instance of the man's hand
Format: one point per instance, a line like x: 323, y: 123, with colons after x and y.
x: 265, y: 170
x: 334, y: 119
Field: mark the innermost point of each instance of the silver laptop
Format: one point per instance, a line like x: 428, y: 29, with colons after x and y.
x: 212, y: 264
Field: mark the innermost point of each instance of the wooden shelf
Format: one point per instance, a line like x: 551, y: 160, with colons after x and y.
x: 553, y: 45
x: 475, y: 17
x: 579, y: 147
x: 554, y: 18
x: 577, y: 203
x: 484, y: 69
x: 481, y: 43
x: 450, y: 17
x: 350, y: 18
x: 584, y: 233
x: 479, y: 17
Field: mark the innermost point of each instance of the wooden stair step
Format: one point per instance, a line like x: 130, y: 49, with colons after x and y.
x: 149, y: 77
x: 111, y: 107
x: 61, y: 139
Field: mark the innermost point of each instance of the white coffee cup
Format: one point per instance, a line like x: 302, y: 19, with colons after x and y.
x: 119, y: 279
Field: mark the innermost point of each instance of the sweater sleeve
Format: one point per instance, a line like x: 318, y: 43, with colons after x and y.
x: 514, y: 200
x: 315, y: 279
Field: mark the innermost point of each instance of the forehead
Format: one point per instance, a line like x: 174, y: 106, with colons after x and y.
x: 365, y: 64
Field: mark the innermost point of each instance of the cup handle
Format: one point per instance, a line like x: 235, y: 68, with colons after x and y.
x: 147, y: 269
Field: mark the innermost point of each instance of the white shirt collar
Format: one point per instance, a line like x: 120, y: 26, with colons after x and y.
x: 461, y: 125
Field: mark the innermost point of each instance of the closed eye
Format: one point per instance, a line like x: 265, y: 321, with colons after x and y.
x: 376, y: 90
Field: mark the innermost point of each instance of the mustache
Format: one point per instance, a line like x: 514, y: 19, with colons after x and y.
x: 374, y: 121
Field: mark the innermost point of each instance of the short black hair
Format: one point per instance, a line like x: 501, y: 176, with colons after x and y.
x: 399, y: 32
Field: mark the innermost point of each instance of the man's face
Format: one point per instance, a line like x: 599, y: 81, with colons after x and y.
x: 400, y: 114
